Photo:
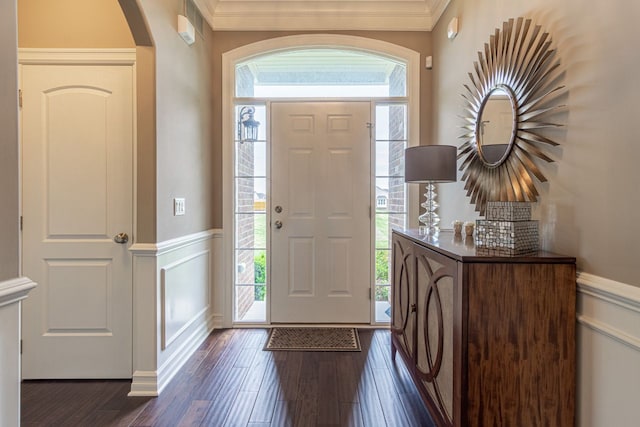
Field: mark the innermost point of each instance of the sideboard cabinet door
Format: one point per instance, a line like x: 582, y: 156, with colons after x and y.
x: 434, y: 359
x: 403, y: 297
x: 488, y: 340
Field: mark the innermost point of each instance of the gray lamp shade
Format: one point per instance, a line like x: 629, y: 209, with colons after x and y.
x: 430, y: 163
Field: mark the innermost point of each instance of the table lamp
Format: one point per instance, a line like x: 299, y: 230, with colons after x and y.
x: 430, y: 164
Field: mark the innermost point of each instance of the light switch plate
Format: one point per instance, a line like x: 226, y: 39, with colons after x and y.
x: 179, y: 207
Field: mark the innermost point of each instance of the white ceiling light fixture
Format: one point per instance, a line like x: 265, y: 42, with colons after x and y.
x: 186, y: 30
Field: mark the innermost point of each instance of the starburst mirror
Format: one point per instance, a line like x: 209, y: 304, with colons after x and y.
x: 511, y: 94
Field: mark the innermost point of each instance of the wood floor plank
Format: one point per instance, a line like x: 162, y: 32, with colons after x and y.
x: 251, y: 346
x: 208, y: 386
x: 218, y: 339
x: 171, y: 405
x: 409, y: 397
x: 346, y: 377
x: 230, y: 380
x: 267, y: 395
x: 307, y: 404
x: 370, y: 406
x: 284, y: 413
x: 328, y: 407
x: 350, y: 415
x: 257, y: 370
x: 224, y: 345
x: 195, y: 414
x: 241, y: 409
x: 394, y: 412
x: 291, y: 375
x: 223, y: 403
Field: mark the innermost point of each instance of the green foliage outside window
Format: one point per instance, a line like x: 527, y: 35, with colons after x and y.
x: 260, y: 270
x: 382, y: 267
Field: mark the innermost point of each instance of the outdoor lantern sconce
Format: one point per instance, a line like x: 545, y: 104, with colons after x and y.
x: 247, y: 125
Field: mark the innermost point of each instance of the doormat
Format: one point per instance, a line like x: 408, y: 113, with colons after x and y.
x: 313, y: 339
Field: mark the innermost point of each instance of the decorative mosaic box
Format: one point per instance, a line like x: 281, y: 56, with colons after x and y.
x: 506, y: 237
x: 508, y: 211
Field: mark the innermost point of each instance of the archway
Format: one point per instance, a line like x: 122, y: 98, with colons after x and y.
x: 303, y: 43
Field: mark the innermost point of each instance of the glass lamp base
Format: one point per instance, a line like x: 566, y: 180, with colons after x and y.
x: 430, y: 218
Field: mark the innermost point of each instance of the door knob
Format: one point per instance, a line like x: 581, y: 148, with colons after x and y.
x: 278, y: 224
x: 121, y: 238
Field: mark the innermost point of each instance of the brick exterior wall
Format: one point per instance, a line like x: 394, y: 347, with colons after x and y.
x: 245, y: 188
x: 244, y: 299
x: 397, y: 132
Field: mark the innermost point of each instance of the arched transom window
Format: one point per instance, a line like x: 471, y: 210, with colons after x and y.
x: 321, y: 73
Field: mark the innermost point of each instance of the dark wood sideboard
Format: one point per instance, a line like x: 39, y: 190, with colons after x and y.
x: 488, y: 340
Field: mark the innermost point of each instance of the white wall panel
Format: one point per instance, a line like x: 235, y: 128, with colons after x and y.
x: 12, y: 292
x: 608, y: 356
x: 185, y: 294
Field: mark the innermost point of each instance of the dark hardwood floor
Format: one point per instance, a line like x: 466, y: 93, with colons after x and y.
x: 230, y: 381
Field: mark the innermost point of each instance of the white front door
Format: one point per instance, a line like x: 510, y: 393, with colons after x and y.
x: 320, y: 239
x: 77, y: 142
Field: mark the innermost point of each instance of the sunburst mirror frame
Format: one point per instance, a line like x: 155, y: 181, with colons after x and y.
x: 519, y: 61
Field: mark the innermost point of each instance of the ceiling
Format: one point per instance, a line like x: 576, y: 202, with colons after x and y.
x: 258, y: 15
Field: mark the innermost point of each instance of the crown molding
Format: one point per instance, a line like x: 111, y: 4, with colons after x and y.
x: 318, y: 15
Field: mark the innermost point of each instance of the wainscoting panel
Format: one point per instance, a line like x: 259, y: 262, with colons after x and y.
x: 185, y: 288
x: 608, y: 335
x: 173, y: 305
x: 12, y: 292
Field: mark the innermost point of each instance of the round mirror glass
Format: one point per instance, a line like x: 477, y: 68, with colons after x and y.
x: 496, y: 126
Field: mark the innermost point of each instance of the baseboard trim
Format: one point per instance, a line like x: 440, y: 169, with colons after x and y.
x: 144, y: 383
x: 182, y: 354
x: 218, y: 320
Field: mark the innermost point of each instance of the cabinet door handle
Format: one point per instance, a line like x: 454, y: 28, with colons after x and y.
x: 413, y: 308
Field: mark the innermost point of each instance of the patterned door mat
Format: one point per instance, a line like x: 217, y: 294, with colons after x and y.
x: 313, y: 339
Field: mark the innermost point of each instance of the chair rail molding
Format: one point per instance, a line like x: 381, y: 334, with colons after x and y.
x: 14, y: 290
x: 608, y: 351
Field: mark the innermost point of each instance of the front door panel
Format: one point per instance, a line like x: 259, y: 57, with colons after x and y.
x: 320, y: 242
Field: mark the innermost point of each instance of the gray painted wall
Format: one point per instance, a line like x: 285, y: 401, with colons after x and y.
x: 589, y: 208
x: 184, y: 122
x: 9, y: 170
